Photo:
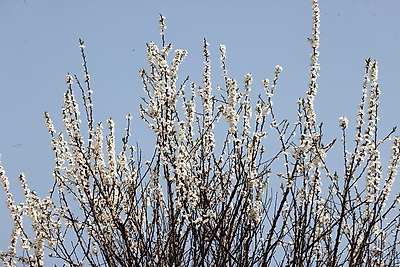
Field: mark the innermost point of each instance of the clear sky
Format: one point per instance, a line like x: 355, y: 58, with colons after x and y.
x: 39, y: 45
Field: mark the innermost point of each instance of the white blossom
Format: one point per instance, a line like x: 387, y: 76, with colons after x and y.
x: 343, y: 122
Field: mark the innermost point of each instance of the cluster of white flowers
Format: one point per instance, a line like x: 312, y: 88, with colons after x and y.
x: 42, y: 214
x: 69, y: 79
x: 207, y: 99
x: 315, y: 67
x: 222, y: 49
x: 370, y: 143
x: 246, y: 106
x: 392, y: 169
x: 163, y: 26
x: 343, y: 122
x: 229, y: 109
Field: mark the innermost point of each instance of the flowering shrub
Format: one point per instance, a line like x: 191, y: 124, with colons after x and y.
x: 198, y: 202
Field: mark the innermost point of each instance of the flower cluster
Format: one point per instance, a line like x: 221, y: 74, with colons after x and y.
x: 343, y: 122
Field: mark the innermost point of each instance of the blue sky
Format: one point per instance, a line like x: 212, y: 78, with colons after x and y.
x: 39, y: 45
